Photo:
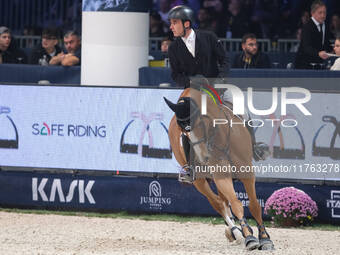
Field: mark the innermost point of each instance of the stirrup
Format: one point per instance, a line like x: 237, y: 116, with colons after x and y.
x: 260, y: 151
x: 186, y: 174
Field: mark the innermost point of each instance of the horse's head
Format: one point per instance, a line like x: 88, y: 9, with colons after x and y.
x: 192, y: 124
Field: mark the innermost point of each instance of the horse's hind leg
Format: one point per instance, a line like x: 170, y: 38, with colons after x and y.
x: 256, y: 210
x: 226, y: 187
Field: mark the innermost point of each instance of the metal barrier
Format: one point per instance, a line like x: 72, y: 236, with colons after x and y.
x: 27, y: 41
x: 230, y: 45
x: 287, y: 45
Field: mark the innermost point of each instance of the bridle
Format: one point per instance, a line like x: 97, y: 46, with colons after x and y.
x: 188, y: 124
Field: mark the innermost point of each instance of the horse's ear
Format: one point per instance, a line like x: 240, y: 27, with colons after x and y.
x: 170, y: 104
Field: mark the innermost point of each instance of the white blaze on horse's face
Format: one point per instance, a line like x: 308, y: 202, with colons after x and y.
x: 200, y: 149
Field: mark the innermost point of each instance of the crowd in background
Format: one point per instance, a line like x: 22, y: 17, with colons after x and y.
x: 227, y: 18
x: 270, y: 19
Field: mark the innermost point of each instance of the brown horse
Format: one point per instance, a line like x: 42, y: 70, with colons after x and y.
x: 224, y: 146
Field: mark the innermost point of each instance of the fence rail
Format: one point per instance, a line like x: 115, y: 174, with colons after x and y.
x: 235, y: 44
x: 231, y: 45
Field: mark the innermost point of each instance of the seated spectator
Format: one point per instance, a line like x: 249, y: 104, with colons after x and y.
x: 298, y: 33
x: 72, y: 56
x: 335, y: 25
x: 251, y: 57
x: 9, y: 53
x: 165, y: 45
x: 236, y: 22
x: 48, y: 48
x: 156, y: 28
x: 336, y: 65
x: 205, y: 20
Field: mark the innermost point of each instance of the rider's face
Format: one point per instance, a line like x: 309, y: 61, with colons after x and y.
x: 176, y: 27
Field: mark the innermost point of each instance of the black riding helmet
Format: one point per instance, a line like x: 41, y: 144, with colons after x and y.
x: 183, y: 13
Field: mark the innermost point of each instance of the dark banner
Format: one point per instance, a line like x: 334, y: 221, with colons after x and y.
x: 117, y: 5
x: 138, y: 194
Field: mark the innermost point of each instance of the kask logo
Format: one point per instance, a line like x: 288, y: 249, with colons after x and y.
x: 39, y: 190
x: 73, y: 130
x: 155, y: 199
x: 9, y: 138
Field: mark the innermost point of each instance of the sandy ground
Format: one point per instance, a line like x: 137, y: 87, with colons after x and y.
x: 53, y: 234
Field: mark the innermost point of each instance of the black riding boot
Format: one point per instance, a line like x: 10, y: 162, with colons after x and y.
x: 187, y: 173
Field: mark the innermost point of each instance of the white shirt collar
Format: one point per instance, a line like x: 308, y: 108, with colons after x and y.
x: 190, y: 42
x: 317, y: 23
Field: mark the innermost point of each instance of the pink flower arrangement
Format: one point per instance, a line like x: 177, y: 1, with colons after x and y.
x: 291, y: 206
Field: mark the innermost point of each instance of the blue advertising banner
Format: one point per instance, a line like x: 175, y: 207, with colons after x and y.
x: 138, y: 194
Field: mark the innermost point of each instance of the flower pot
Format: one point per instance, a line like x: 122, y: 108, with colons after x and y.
x: 288, y: 222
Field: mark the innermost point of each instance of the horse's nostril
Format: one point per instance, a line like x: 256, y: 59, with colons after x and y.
x: 206, y: 159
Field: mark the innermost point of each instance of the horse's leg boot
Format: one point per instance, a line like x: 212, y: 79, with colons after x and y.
x: 264, y: 238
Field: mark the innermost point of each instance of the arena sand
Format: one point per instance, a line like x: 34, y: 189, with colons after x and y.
x: 55, y: 234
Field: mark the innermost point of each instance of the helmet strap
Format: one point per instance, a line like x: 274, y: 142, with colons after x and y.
x: 185, y: 29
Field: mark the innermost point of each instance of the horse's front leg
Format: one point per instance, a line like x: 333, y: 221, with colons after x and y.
x: 221, y: 206
x: 256, y: 210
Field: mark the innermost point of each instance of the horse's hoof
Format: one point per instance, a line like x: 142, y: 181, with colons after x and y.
x: 237, y: 234
x: 266, y: 245
x: 251, y: 243
x: 228, y: 235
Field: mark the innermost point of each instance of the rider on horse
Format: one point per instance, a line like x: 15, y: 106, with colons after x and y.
x: 199, y: 54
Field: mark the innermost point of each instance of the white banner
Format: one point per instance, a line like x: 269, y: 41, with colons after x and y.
x: 125, y: 129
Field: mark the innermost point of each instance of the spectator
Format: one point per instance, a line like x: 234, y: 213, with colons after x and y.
x: 265, y: 16
x: 217, y: 10
x: 304, y: 18
x: 165, y: 45
x: 48, y: 48
x: 314, y: 39
x: 156, y: 25
x: 164, y: 8
x: 236, y: 24
x: 9, y: 53
x: 336, y: 65
x: 295, y: 48
x: 205, y: 20
x: 72, y: 56
x: 335, y: 26
x: 251, y: 57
